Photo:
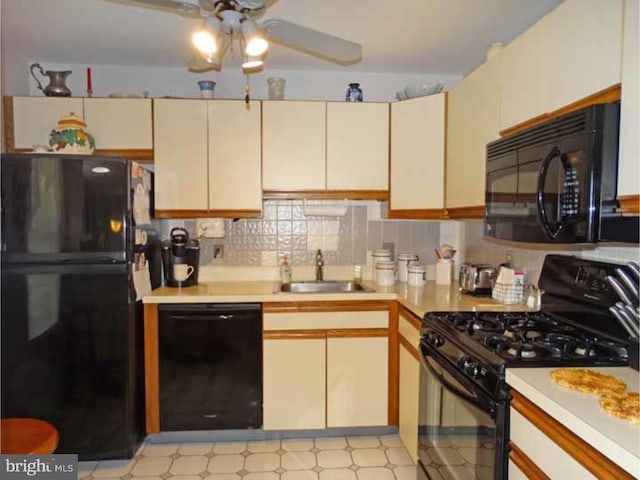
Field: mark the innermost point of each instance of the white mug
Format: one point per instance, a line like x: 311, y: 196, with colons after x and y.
x: 182, y: 271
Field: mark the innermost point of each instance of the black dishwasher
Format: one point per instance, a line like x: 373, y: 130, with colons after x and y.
x: 210, y: 366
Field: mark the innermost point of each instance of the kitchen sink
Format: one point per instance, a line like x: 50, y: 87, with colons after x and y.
x: 323, y: 287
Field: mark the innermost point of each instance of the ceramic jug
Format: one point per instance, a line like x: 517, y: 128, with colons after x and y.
x: 56, y: 87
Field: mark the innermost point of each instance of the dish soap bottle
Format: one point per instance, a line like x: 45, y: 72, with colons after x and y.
x: 285, y: 271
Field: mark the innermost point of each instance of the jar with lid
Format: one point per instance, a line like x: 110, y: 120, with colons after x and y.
x: 404, y: 259
x: 379, y: 256
x: 385, y: 273
x: 416, y: 275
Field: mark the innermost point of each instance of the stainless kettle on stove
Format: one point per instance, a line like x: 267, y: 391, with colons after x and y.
x: 56, y: 87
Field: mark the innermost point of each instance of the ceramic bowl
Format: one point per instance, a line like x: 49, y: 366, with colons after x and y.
x: 414, y: 91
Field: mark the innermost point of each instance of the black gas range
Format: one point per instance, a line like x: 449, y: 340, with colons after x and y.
x: 464, y: 399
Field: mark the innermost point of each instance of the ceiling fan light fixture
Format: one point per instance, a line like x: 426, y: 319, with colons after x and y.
x: 205, y: 39
x: 252, y: 64
x: 255, y: 43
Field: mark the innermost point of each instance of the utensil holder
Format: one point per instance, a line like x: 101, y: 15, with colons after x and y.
x: 444, y: 271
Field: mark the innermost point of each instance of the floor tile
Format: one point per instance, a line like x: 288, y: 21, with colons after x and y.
x: 298, y: 461
x: 391, y: 440
x: 462, y: 441
x: 299, y: 475
x: 297, y: 444
x: 363, y: 442
x: 230, y: 447
x: 264, y: 446
x: 445, y: 456
x: 189, y: 465
x: 113, y: 468
x: 159, y: 449
x: 223, y: 476
x: 403, y: 473
x: 399, y: 456
x: 262, y: 476
x: 338, y: 474
x: 262, y: 462
x: 151, y: 466
x: 462, y: 472
x: 375, y: 473
x: 226, y: 464
x: 178, y: 477
x: 434, y: 474
x: 330, y: 443
x: 334, y: 459
x: 85, y: 468
x: 195, y: 448
x: 369, y: 457
x: 479, y: 456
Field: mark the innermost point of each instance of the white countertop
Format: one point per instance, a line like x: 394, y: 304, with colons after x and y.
x: 616, y: 438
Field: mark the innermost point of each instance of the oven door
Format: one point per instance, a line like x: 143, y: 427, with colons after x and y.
x: 462, y: 431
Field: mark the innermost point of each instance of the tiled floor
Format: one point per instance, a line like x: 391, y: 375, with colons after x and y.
x: 327, y: 458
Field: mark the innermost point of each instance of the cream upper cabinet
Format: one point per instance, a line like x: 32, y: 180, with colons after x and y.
x: 629, y: 166
x: 357, y: 381
x: 235, y: 176
x: 294, y: 384
x: 181, y: 157
x: 119, y: 123
x: 357, y: 146
x: 293, y: 145
x: 473, y: 120
x: 409, y: 391
x: 585, y: 50
x: 35, y: 117
x: 526, y: 71
x: 417, y: 153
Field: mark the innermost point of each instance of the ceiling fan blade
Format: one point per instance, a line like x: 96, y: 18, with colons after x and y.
x: 198, y: 64
x: 312, y: 42
x: 183, y: 8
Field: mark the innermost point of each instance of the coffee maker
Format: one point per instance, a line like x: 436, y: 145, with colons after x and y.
x: 180, y: 257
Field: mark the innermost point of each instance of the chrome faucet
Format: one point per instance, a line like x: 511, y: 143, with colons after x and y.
x: 319, y: 265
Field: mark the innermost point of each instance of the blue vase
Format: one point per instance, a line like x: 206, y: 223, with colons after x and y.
x: 354, y: 93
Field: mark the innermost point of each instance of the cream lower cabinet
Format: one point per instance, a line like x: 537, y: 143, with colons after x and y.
x: 325, y: 368
x: 417, y: 157
x: 207, y: 158
x: 409, y: 383
x: 294, y: 372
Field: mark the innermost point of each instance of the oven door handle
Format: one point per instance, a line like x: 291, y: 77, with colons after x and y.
x: 550, y: 232
x: 483, y: 401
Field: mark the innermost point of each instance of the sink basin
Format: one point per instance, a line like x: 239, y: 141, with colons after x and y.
x: 323, y: 287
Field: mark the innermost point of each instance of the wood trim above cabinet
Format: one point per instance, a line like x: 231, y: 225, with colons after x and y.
x: 151, y: 368
x: 525, y: 464
x: 325, y: 194
x: 607, y: 95
x: 9, y: 127
x: 425, y: 213
x: 141, y: 155
x: 466, y: 212
x: 587, y: 456
x: 181, y: 214
x: 294, y: 335
x: 629, y: 204
x: 335, y: 306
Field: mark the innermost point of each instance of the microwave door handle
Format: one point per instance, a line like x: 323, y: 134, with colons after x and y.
x: 549, y: 232
x: 482, y: 402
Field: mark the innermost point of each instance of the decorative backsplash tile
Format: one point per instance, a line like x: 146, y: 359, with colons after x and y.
x: 284, y: 230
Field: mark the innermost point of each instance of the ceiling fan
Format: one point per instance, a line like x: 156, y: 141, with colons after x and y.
x: 229, y: 20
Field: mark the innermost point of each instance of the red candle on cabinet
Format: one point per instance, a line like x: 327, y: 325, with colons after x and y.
x: 89, y: 89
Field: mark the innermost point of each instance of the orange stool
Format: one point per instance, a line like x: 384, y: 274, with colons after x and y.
x: 27, y: 435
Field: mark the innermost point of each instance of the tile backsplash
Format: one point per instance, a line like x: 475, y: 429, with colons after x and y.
x: 285, y: 230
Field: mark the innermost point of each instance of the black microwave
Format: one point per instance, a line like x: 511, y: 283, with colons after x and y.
x: 555, y: 182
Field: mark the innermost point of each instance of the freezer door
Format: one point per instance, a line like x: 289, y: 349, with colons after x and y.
x: 57, y: 207
x: 72, y: 351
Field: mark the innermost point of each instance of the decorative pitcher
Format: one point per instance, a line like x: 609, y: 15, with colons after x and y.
x: 56, y: 87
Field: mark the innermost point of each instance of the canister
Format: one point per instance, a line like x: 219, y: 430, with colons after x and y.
x: 416, y: 275
x: 379, y: 256
x: 385, y: 273
x: 403, y: 261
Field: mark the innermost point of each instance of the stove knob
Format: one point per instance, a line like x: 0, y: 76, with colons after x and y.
x: 472, y: 369
x: 433, y: 339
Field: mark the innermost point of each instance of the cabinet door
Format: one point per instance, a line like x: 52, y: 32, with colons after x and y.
x: 417, y: 153
x: 409, y: 395
x: 119, y: 123
x: 526, y: 74
x: 629, y: 166
x: 357, y: 380
x: 181, y: 179
x: 293, y: 148
x: 473, y: 120
x: 294, y: 383
x: 595, y: 39
x: 35, y: 117
x: 357, y: 146
x: 235, y: 177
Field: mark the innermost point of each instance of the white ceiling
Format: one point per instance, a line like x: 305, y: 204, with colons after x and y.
x: 403, y: 36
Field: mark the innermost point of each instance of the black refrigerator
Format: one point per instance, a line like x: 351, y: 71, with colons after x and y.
x: 77, y: 251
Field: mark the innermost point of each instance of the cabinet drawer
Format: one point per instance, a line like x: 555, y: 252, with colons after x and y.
x: 325, y: 320
x: 408, y: 331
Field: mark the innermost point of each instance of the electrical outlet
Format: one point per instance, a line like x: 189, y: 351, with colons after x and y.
x: 218, y: 251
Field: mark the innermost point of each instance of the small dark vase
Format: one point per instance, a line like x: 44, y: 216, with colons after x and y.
x: 354, y: 93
